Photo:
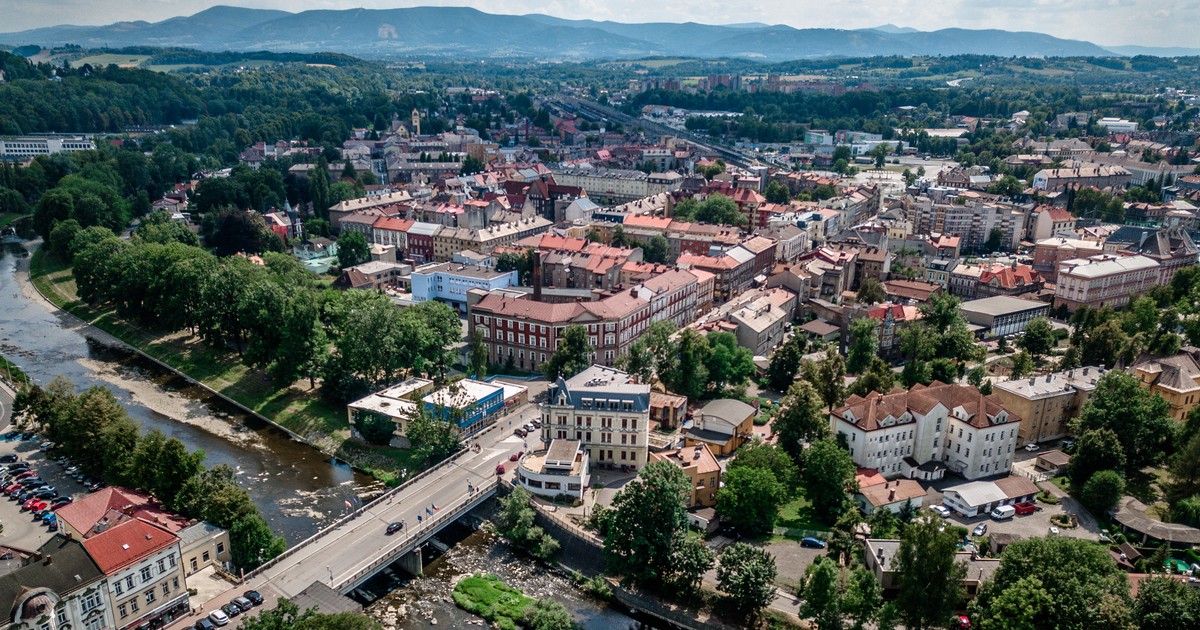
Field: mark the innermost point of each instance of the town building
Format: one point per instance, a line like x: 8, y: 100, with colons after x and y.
x: 921, y: 432
x: 1049, y: 253
x: 25, y: 148
x: 60, y: 587
x: 561, y: 469
x: 374, y: 275
x: 1172, y: 248
x: 1047, y: 403
x: 1104, y: 280
x: 397, y: 403
x: 888, y: 495
x: 672, y: 297
x: 1002, y: 315
x: 1010, y: 280
x: 605, y: 410
x: 1175, y: 377
x: 723, y: 424
x: 469, y: 403
x: 449, y: 283
x: 527, y: 331
x: 1081, y: 175
x: 702, y: 470
x: 763, y: 322
x: 144, y: 570
x: 667, y: 410
x: 733, y: 271
x: 880, y: 558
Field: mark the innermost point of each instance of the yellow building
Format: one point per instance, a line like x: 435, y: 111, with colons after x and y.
x: 701, y: 467
x: 1176, y: 378
x: 1045, y: 404
x: 723, y: 425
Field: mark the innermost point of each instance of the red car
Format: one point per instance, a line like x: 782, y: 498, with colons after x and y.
x: 13, y: 488
x: 515, y: 456
x: 35, y: 505
x: 25, y: 475
x: 500, y: 469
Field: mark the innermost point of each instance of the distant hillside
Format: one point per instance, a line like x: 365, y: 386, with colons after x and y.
x: 465, y: 32
x: 1155, y: 51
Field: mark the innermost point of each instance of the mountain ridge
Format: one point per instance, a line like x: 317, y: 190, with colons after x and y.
x: 469, y: 32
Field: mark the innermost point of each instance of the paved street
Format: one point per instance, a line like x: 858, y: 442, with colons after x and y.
x: 342, y: 552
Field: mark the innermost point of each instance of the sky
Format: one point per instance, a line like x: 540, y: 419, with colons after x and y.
x: 1106, y: 22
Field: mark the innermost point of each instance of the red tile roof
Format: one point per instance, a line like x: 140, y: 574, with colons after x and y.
x: 392, y: 223
x: 126, y: 543
x: 872, y: 410
x: 117, y: 504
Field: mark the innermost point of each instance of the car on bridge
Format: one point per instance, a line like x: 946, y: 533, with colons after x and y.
x: 392, y: 528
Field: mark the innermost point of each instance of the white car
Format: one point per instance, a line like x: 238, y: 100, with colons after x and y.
x: 218, y: 618
x: 1031, y: 447
x: 941, y: 510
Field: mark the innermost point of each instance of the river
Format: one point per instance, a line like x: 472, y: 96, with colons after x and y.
x: 296, y: 488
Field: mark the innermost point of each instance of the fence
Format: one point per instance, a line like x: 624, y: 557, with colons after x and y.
x: 425, y: 529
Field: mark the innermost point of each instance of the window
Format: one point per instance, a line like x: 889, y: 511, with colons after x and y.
x: 205, y: 556
x: 129, y: 582
x: 175, y: 583
x: 166, y: 589
x: 117, y: 587
x: 150, y: 597
x: 61, y: 615
x: 146, y: 571
x: 220, y: 549
x: 90, y: 601
x: 133, y: 605
x: 123, y: 610
x: 171, y: 559
x: 162, y: 565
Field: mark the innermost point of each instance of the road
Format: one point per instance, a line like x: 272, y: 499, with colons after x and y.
x: 343, y: 551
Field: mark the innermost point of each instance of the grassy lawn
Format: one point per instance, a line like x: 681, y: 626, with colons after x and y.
x: 297, y: 407
x: 797, y: 516
x: 485, y: 595
x: 8, y: 218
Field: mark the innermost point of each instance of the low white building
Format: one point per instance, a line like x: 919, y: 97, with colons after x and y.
x: 562, y: 469
x: 980, y: 497
x: 399, y: 403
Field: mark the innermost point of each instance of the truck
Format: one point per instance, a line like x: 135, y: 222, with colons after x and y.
x: 1025, y: 507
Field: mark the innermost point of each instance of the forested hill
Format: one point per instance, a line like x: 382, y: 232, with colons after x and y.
x: 42, y: 98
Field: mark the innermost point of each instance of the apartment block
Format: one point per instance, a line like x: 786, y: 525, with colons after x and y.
x: 605, y: 410
x: 1047, y: 403
x: 1104, y: 280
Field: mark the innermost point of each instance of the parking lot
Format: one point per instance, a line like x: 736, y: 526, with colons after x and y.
x: 1031, y: 525
x: 21, y: 530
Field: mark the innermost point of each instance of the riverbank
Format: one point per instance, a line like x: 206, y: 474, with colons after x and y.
x: 297, y: 408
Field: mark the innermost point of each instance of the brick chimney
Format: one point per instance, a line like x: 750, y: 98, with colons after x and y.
x: 537, y: 276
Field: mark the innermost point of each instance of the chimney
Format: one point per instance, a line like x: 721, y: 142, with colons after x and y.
x: 892, y: 495
x: 49, y: 560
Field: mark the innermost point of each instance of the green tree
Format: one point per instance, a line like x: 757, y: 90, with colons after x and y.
x: 691, y: 558
x: 747, y: 575
x: 471, y: 165
x: 61, y: 236
x: 649, y: 514
x: 1119, y: 396
x: 928, y: 575
x: 656, y: 250
x: 785, y: 363
x: 318, y: 188
x: 822, y: 597
x: 828, y: 376
x: 547, y: 614
x: 689, y: 374
x: 863, y: 599
x: 287, y: 616
x: 573, y: 355
x: 1022, y: 605
x: 878, y: 377
x: 828, y: 478
x: 800, y: 418
x: 879, y: 154
x: 728, y: 364
x: 721, y: 210
x: 864, y: 344
x: 1163, y: 603
x: 252, y: 543
x: 769, y: 457
x: 1067, y: 582
x: 1184, y: 465
x: 1095, y: 450
x: 750, y: 498
x: 1102, y: 491
x: 776, y: 193
x: 353, y: 249
x: 1022, y: 364
x: 1038, y: 338
x: 479, y: 356
x: 433, y: 438
x: 376, y: 428
x: 1006, y: 186
x: 515, y: 521
x: 871, y: 291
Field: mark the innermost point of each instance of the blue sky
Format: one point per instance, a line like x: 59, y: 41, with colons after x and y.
x: 1112, y: 22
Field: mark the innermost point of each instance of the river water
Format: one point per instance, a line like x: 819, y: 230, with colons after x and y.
x: 296, y: 488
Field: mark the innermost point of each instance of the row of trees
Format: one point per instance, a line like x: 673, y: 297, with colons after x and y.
x: 694, y: 365
x: 95, y: 431
x: 273, y: 316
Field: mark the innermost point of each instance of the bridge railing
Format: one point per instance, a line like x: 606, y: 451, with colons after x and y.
x: 361, y: 510
x: 424, y: 529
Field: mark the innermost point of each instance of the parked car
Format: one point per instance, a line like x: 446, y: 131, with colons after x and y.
x: 18, y: 466
x: 254, y: 597
x: 218, y: 618
x: 980, y: 530
x: 500, y: 469
x: 231, y: 609
x: 204, y: 624
x: 519, y: 432
x: 11, y: 435
x: 9, y: 459
x: 28, y: 504
x: 61, y: 501
x: 243, y: 603
x: 941, y: 510
x: 48, y: 493
x: 392, y: 528
x: 28, y: 435
x: 1031, y: 447
x: 11, y: 488
x: 812, y: 543
x: 529, y: 428
x: 515, y: 456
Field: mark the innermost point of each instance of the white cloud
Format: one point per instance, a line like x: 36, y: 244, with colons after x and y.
x: 1147, y: 22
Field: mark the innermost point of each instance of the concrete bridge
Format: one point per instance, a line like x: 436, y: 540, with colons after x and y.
x: 351, y: 550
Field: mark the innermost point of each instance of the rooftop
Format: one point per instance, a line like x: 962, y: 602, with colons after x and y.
x: 116, y: 548
x: 1000, y: 305
x: 1083, y: 378
x: 698, y: 460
